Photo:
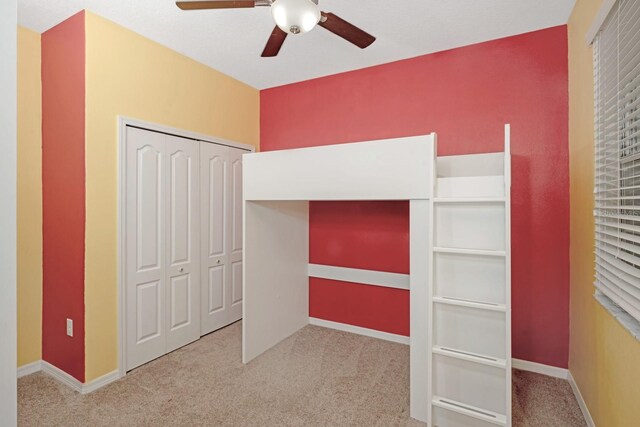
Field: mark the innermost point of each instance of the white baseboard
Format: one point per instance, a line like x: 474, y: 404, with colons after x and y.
x: 29, y: 368
x: 523, y: 365
x: 100, y: 382
x: 61, y: 376
x: 67, y: 379
x: 539, y: 368
x: 400, y: 339
x: 581, y: 402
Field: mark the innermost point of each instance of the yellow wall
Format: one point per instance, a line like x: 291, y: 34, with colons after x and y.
x: 132, y: 76
x: 29, y: 198
x: 604, y: 358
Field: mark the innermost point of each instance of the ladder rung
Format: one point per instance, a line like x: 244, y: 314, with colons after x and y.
x: 469, y: 303
x: 469, y: 200
x: 471, y: 411
x: 470, y: 356
x: 469, y: 251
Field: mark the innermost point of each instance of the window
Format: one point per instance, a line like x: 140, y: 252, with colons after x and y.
x: 617, y: 156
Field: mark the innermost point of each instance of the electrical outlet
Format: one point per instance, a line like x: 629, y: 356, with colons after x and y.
x: 70, y: 327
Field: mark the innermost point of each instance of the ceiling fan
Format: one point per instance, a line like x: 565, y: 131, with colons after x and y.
x: 292, y: 17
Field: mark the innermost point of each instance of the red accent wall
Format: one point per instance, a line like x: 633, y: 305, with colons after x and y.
x: 466, y: 95
x: 63, y: 193
x: 366, y: 235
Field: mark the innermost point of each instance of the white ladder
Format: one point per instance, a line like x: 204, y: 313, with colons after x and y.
x: 469, y: 364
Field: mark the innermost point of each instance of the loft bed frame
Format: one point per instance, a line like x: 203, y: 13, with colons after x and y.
x: 277, y: 187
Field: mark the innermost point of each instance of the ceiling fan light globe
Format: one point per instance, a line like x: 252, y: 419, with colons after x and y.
x: 295, y: 16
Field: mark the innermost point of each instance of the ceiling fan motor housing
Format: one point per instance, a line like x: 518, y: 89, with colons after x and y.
x: 295, y: 16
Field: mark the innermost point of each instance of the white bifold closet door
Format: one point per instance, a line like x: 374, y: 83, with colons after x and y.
x: 221, y: 237
x: 162, y: 244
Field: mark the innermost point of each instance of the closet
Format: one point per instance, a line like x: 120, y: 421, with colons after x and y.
x: 182, y: 241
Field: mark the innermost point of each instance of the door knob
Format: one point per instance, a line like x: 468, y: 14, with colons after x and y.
x: 181, y: 269
x: 218, y: 261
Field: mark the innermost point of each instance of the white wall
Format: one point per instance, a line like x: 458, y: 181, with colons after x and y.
x: 8, y: 100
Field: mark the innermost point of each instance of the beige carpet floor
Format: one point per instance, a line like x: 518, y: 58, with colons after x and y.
x: 317, y: 377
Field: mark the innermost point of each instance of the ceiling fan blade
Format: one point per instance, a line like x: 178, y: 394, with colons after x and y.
x: 347, y: 31
x: 214, y: 4
x: 274, y: 43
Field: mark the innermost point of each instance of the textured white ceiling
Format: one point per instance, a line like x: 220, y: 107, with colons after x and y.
x: 231, y: 40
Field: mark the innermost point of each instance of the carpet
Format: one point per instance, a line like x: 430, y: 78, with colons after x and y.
x: 317, y: 377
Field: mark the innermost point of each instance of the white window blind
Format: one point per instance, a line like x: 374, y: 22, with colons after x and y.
x: 617, y: 156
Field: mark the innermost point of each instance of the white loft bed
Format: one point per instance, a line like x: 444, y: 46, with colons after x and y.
x: 277, y: 187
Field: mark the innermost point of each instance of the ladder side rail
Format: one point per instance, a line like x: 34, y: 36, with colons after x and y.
x: 430, y: 283
x: 507, y: 248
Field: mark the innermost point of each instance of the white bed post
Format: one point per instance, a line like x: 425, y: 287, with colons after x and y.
x: 421, y: 255
x: 420, y: 212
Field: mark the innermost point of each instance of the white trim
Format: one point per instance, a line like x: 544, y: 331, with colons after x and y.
x: 400, y: 339
x: 156, y: 127
x: 539, y: 368
x: 100, y: 382
x: 122, y: 133
x: 68, y: 380
x: 523, y: 365
x: 8, y: 226
x: 121, y: 244
x: 355, y: 275
x: 61, y: 376
x: 601, y: 16
x: 581, y: 402
x: 29, y: 368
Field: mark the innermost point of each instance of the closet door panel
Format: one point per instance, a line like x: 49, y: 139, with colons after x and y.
x: 145, y: 242
x: 215, y: 196
x: 216, y: 166
x: 215, y: 301
x: 236, y: 207
x: 180, y: 207
x: 182, y: 249
x: 236, y: 281
x: 235, y: 213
